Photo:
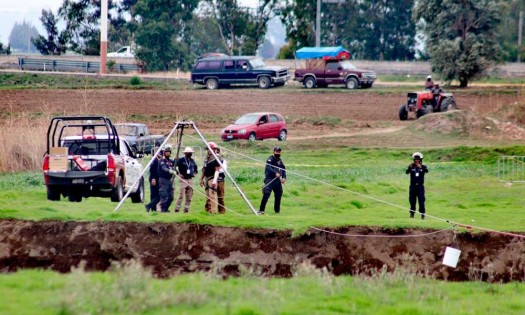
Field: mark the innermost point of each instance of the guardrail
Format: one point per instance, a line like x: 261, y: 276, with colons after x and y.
x: 71, y: 65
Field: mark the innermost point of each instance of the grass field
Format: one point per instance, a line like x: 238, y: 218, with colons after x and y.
x: 326, y: 187
x: 130, y: 289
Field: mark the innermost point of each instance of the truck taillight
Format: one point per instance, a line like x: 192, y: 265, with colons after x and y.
x: 45, y: 168
x: 111, y: 168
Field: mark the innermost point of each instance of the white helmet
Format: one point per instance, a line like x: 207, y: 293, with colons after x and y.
x: 188, y: 150
x: 167, y: 148
x: 417, y: 155
x: 429, y: 76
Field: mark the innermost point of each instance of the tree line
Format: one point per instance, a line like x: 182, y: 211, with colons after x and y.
x: 461, y: 38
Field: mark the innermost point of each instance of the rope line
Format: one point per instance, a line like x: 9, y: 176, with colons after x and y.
x: 380, y: 236
x: 469, y: 227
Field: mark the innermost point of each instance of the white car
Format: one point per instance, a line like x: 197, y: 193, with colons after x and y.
x: 123, y: 52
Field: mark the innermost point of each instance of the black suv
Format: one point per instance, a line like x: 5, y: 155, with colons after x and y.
x: 215, y: 72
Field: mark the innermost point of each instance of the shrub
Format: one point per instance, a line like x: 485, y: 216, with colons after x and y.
x: 135, y: 81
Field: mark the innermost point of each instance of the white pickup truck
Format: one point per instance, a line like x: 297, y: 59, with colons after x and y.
x: 123, y: 52
x: 93, y: 162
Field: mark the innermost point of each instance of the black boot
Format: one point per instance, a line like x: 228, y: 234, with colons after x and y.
x: 412, y: 213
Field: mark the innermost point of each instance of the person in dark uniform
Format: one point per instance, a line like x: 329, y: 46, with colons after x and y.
x: 417, y: 173
x: 274, y: 178
x: 166, y: 173
x: 187, y: 169
x: 154, y: 183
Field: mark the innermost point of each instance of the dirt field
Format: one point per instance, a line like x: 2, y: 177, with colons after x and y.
x: 175, y: 248
x: 358, y: 106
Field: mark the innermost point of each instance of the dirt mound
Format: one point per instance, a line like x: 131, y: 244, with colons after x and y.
x: 467, y: 123
x: 172, y: 248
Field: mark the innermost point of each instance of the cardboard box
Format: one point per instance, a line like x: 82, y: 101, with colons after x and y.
x: 58, y: 159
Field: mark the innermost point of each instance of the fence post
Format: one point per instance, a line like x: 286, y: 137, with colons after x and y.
x: 53, y: 65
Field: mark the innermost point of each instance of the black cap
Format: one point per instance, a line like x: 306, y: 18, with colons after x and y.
x: 276, y: 149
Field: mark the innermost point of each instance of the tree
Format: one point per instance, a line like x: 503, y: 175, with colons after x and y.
x: 162, y: 28
x: 508, y: 29
x: 21, y: 36
x: 374, y: 29
x: 82, y: 18
x: 6, y: 50
x: 461, y: 36
x: 55, y: 42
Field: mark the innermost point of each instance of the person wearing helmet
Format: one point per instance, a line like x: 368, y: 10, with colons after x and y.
x: 274, y: 178
x: 220, y: 182
x: 154, y: 183
x: 166, y: 173
x: 429, y: 84
x: 417, y: 171
x: 187, y: 169
x: 210, y: 178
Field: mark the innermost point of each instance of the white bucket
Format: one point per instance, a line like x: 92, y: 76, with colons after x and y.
x: 451, y: 257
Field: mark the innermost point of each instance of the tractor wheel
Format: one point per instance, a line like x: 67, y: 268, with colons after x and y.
x: 309, y: 83
x: 448, y: 104
x: 351, y: 83
x: 403, y: 114
x: 428, y: 109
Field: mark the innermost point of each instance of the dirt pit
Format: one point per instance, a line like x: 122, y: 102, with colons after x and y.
x: 174, y: 248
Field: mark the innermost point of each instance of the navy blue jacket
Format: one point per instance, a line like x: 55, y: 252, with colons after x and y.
x: 273, y: 166
x: 417, y: 175
x: 154, y: 169
x: 165, y: 165
x: 184, y: 164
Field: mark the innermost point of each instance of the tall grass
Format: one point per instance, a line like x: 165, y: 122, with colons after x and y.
x: 22, y: 142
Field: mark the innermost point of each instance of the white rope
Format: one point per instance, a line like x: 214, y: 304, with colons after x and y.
x: 381, y: 236
x: 380, y: 200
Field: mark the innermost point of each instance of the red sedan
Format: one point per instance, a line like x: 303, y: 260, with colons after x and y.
x: 256, y: 126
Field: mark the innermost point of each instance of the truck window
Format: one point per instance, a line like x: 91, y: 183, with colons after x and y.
x: 84, y: 147
x: 208, y: 65
x: 332, y: 66
x: 229, y: 65
x: 241, y: 64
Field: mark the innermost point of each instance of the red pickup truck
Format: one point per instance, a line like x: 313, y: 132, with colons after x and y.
x: 330, y: 65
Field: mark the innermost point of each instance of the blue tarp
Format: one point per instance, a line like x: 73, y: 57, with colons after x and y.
x: 318, y: 52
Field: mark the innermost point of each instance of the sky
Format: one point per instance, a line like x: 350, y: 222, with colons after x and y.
x: 12, y: 11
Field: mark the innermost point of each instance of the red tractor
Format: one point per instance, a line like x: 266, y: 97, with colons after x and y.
x: 426, y: 102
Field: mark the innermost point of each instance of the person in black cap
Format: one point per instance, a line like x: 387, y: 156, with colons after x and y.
x: 417, y: 171
x: 154, y: 183
x: 274, y: 178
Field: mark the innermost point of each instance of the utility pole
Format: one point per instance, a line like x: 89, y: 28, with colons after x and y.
x: 318, y: 25
x: 103, y: 36
x: 520, y: 27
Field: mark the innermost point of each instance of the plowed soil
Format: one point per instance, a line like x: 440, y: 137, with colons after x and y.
x: 358, y: 105
x: 176, y: 248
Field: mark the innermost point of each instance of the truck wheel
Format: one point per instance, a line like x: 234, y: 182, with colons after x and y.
x: 309, y: 83
x: 118, y: 192
x: 351, y: 83
x: 403, y: 114
x: 252, y: 137
x: 138, y: 196
x: 74, y: 197
x: 53, y: 194
x: 212, y: 84
x: 264, y: 82
x: 282, y: 135
x: 448, y: 104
